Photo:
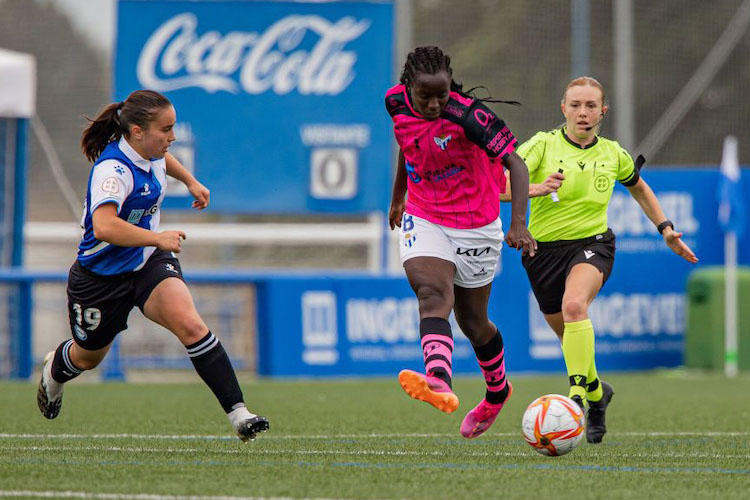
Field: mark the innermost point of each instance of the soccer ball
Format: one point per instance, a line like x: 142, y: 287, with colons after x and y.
x: 553, y: 425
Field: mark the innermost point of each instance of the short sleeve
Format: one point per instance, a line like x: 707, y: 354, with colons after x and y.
x: 111, y: 182
x: 532, y: 151
x: 395, y: 101
x: 627, y: 174
x: 484, y: 128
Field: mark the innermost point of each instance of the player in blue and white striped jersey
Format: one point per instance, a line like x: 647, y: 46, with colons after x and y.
x: 125, y: 261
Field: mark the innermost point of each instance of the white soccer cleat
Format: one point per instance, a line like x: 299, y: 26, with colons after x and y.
x: 247, y: 425
x: 49, y: 393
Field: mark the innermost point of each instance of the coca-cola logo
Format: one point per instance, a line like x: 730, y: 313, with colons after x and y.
x: 176, y: 57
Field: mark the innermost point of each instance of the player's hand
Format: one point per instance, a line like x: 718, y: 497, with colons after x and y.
x: 201, y: 194
x: 673, y: 239
x: 519, y: 237
x: 170, y: 241
x: 395, y: 213
x: 551, y: 183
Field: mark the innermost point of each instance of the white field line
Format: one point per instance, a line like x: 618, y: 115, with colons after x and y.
x: 122, y: 496
x: 344, y: 436
x: 390, y: 453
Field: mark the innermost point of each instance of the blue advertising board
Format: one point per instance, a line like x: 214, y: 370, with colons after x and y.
x: 279, y: 103
x: 358, y: 325
x: 369, y: 325
x: 639, y: 316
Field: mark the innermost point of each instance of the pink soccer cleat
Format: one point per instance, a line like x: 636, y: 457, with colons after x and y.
x: 481, y: 418
x: 429, y: 389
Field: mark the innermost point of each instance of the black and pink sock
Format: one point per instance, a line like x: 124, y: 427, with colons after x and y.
x: 492, y: 362
x: 437, y: 347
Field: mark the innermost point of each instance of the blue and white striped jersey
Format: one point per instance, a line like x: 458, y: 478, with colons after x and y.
x: 137, y: 187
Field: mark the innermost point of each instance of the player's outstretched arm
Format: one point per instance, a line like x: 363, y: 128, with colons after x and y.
x: 200, y: 192
x: 648, y: 202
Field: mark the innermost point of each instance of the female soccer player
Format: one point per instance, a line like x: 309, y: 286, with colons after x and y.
x: 452, y: 148
x: 125, y: 261
x: 573, y: 171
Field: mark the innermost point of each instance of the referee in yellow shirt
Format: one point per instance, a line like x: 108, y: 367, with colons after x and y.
x: 572, y: 172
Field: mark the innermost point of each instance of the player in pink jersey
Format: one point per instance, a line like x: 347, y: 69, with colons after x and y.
x: 452, y: 152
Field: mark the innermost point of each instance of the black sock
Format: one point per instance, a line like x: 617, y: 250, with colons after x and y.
x: 212, y: 364
x: 593, y: 385
x: 491, y: 357
x: 63, y: 368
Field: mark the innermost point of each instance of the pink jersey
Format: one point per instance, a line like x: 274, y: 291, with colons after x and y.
x: 453, y: 162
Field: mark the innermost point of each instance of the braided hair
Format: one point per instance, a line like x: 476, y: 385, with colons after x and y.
x: 430, y: 60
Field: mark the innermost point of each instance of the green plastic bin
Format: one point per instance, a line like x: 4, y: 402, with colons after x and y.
x: 704, y: 334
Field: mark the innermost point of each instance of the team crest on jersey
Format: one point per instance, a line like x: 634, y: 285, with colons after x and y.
x: 442, y: 141
x: 409, y: 239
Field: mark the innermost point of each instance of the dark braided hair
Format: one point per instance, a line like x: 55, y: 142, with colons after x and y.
x: 115, y: 120
x: 430, y: 60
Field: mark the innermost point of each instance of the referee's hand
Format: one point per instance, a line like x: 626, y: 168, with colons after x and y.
x: 519, y: 237
x: 551, y: 183
x: 673, y: 239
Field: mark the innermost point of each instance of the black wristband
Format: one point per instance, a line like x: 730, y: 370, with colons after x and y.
x: 661, y: 227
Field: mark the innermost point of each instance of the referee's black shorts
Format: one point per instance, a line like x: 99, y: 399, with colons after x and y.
x: 549, y: 268
x: 99, y: 305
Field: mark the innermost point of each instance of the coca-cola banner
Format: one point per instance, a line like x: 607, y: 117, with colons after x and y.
x: 279, y: 104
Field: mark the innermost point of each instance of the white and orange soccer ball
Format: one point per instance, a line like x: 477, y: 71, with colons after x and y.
x: 553, y: 425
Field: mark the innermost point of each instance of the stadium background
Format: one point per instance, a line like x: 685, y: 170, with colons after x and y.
x: 508, y: 47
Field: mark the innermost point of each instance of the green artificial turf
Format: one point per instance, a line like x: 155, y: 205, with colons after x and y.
x: 671, y: 435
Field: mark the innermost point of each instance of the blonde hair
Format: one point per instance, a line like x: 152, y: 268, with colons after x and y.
x: 586, y: 80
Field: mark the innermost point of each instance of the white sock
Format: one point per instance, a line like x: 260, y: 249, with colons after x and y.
x: 54, y: 388
x: 239, y: 415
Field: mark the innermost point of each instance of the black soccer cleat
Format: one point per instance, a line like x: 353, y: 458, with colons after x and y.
x: 248, y: 429
x: 595, y: 425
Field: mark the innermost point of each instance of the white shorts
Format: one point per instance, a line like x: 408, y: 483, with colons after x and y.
x: 475, y: 252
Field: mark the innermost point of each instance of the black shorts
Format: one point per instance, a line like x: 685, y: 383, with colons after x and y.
x: 549, y: 268
x: 99, y: 305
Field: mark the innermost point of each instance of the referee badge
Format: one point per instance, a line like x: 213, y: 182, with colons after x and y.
x: 601, y: 183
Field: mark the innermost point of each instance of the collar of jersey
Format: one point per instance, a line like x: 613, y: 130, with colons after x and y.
x: 133, y: 156
x: 576, y: 145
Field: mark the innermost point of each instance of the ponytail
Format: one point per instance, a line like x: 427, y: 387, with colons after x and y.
x: 101, y: 130
x: 116, y: 119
